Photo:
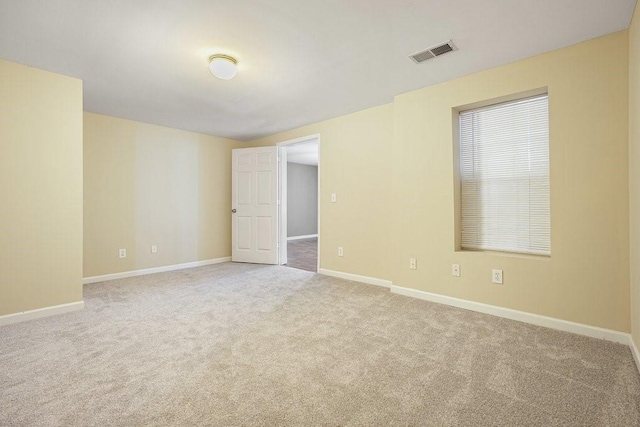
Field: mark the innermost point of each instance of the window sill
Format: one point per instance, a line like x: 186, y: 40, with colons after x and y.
x: 506, y: 254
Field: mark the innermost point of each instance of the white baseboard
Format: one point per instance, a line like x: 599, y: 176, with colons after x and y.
x: 163, y: 269
x: 634, y: 351
x: 356, y: 278
x: 308, y: 236
x: 521, y: 316
x: 23, y: 316
x: 507, y: 313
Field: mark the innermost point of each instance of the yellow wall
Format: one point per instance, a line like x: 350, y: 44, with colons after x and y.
x: 355, y: 164
x: 634, y: 169
x: 150, y: 185
x: 586, y: 279
x: 40, y: 188
x: 392, y: 168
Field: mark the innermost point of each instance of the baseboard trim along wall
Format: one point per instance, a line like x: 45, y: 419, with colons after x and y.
x: 521, y: 316
x: 38, y: 313
x: 126, y: 274
x: 308, y: 236
x: 507, y: 313
x: 356, y: 278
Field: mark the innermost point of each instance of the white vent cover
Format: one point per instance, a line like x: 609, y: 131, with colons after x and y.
x: 433, y: 51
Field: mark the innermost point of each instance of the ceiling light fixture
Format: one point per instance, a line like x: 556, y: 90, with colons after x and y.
x: 223, y: 66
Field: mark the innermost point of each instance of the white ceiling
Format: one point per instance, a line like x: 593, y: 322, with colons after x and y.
x: 305, y: 154
x: 301, y: 61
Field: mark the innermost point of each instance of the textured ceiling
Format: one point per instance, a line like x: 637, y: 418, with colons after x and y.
x: 300, y: 61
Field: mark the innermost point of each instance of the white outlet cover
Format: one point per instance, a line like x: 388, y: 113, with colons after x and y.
x: 455, y: 270
x: 340, y: 251
x: 122, y: 253
x: 496, y: 276
x: 413, y: 264
x: 334, y: 198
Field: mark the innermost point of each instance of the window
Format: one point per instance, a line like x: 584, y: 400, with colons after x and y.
x: 504, y: 177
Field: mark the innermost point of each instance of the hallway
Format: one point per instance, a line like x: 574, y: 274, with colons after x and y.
x: 303, y: 254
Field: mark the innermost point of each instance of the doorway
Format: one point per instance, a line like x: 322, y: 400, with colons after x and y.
x: 299, y: 218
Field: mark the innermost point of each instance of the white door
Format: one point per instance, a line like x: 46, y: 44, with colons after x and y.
x: 254, y: 204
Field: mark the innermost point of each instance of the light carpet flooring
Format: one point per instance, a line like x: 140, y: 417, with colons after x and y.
x: 250, y: 345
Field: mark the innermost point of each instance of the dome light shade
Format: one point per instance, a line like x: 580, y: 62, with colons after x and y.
x: 223, y: 66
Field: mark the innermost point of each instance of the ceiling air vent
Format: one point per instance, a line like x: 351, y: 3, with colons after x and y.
x: 433, y: 51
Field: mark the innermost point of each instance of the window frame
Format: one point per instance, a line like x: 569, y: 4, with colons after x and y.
x: 457, y: 186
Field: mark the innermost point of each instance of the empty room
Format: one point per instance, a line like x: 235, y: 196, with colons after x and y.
x: 306, y: 213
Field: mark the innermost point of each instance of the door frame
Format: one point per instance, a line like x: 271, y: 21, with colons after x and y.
x: 282, y: 193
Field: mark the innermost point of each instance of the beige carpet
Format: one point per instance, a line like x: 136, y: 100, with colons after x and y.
x: 236, y: 344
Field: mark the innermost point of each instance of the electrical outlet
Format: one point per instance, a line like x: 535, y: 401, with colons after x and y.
x: 496, y: 277
x: 413, y: 263
x: 334, y: 198
x: 154, y: 249
x: 455, y: 270
x: 340, y: 251
x: 122, y: 253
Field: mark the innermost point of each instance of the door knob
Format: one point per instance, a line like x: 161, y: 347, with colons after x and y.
x: 233, y: 211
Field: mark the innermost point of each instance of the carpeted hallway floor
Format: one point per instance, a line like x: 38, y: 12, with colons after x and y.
x: 241, y: 344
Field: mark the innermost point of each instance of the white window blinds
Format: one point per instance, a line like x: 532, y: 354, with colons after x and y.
x: 504, y: 177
